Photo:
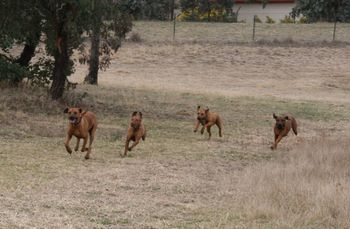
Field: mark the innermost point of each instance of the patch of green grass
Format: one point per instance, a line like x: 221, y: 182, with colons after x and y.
x: 246, y: 156
x: 123, y: 221
x: 102, y: 221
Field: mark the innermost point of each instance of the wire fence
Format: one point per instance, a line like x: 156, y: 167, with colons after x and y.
x: 155, y: 31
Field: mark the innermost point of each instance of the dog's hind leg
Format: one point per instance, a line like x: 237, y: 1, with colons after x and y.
x: 91, y: 140
x: 294, y: 126
x: 219, y: 124
x: 77, y: 145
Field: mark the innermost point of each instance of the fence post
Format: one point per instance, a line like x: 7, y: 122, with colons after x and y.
x: 334, y: 28
x: 253, y: 38
x: 174, y: 27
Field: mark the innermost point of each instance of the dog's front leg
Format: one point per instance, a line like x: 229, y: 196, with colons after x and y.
x: 126, y: 146
x: 77, y: 145
x: 197, y: 126
x: 134, y: 144
x: 83, y: 148
x: 66, y: 144
x: 207, y: 126
x: 202, y: 130
x: 209, y: 132
x: 277, y: 140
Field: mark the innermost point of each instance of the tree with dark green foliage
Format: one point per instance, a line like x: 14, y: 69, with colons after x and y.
x: 155, y: 9
x: 110, y: 22
x: 325, y: 10
x: 20, y: 23
x: 62, y: 25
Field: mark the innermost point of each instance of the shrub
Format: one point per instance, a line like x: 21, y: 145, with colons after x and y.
x: 215, y: 16
x: 270, y: 20
x: 11, y: 72
x: 41, y: 72
x: 287, y: 20
x: 135, y: 37
x: 303, y: 20
x: 257, y: 19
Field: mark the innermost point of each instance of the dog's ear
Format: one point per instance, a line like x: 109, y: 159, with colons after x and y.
x: 80, y: 110
x: 274, y: 116
x: 206, y: 110
x: 140, y: 113
x: 134, y: 113
x: 286, y: 117
x: 66, y: 110
x: 199, y: 107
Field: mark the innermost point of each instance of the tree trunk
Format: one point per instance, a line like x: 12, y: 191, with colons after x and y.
x: 209, y: 11
x: 92, y: 76
x: 60, y: 68
x: 26, y: 55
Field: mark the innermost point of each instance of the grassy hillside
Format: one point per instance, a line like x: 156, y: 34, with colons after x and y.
x: 176, y: 178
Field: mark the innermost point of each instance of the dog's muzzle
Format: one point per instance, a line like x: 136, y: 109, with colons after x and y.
x: 73, y: 120
x: 280, y: 126
x: 135, y: 126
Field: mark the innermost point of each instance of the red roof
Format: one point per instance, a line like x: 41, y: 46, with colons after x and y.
x: 268, y: 2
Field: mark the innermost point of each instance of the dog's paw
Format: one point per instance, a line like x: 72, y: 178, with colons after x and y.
x: 87, y: 156
x: 76, y: 149
x: 84, y: 149
x: 195, y: 131
x: 129, y: 148
x: 69, y: 150
x: 272, y: 148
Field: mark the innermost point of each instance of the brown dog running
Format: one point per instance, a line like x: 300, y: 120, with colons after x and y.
x: 282, y: 127
x: 136, y: 131
x: 207, y: 119
x: 81, y: 125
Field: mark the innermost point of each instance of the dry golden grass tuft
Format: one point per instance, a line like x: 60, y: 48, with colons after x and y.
x: 304, y: 188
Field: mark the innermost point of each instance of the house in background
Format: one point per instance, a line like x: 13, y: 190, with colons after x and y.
x: 275, y: 9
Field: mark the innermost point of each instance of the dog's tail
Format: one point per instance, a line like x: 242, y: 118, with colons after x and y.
x: 294, y: 126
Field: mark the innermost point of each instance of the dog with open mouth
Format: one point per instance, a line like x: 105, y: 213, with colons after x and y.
x: 81, y: 125
x: 282, y: 127
x: 207, y: 119
x: 136, y: 131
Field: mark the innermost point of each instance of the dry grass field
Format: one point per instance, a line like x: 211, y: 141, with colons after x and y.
x: 177, y: 178
x: 240, y: 32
